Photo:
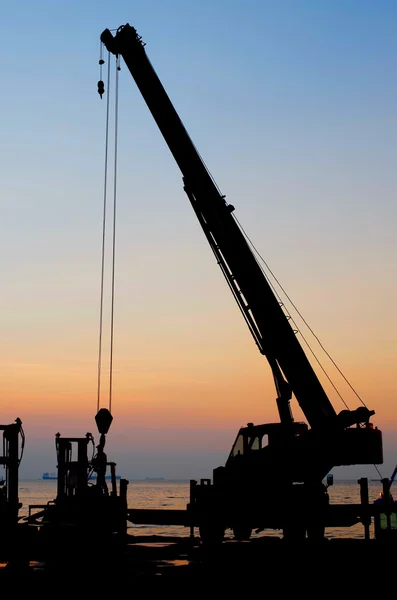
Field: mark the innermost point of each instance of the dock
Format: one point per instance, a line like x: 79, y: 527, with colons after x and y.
x: 263, y: 562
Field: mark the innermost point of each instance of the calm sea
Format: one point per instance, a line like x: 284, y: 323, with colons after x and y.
x: 175, y: 495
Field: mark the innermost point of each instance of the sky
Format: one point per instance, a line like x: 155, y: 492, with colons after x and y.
x: 292, y: 106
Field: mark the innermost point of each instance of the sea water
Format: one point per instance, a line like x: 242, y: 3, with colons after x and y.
x: 168, y: 495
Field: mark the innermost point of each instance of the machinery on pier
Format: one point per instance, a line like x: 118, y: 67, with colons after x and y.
x: 10, y: 458
x: 273, y: 477
x: 11, y: 454
x: 84, y: 501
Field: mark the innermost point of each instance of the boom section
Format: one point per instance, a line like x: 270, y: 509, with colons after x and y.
x: 265, y: 317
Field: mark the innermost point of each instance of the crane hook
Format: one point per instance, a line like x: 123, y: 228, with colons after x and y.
x: 101, y: 88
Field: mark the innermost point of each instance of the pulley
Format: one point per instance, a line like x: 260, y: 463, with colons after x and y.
x: 103, y: 420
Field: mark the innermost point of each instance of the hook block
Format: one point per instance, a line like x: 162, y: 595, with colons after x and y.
x: 103, y: 420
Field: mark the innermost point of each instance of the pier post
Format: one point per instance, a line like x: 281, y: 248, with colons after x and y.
x: 386, y: 501
x: 193, y: 485
x: 364, y: 496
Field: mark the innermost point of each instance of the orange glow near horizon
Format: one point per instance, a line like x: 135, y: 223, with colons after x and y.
x: 186, y: 392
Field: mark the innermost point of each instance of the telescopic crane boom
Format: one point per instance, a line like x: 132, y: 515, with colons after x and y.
x: 294, y: 453
x: 261, y: 309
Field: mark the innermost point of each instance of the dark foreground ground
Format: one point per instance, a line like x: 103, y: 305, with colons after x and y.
x: 326, y: 566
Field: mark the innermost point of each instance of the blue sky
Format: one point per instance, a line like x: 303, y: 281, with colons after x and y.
x: 292, y: 105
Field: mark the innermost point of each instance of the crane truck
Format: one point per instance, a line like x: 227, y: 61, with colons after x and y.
x: 273, y: 476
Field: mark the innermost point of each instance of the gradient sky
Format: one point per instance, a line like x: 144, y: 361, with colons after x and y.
x: 292, y: 105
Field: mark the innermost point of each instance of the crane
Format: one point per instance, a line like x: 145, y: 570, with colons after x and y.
x: 273, y: 475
